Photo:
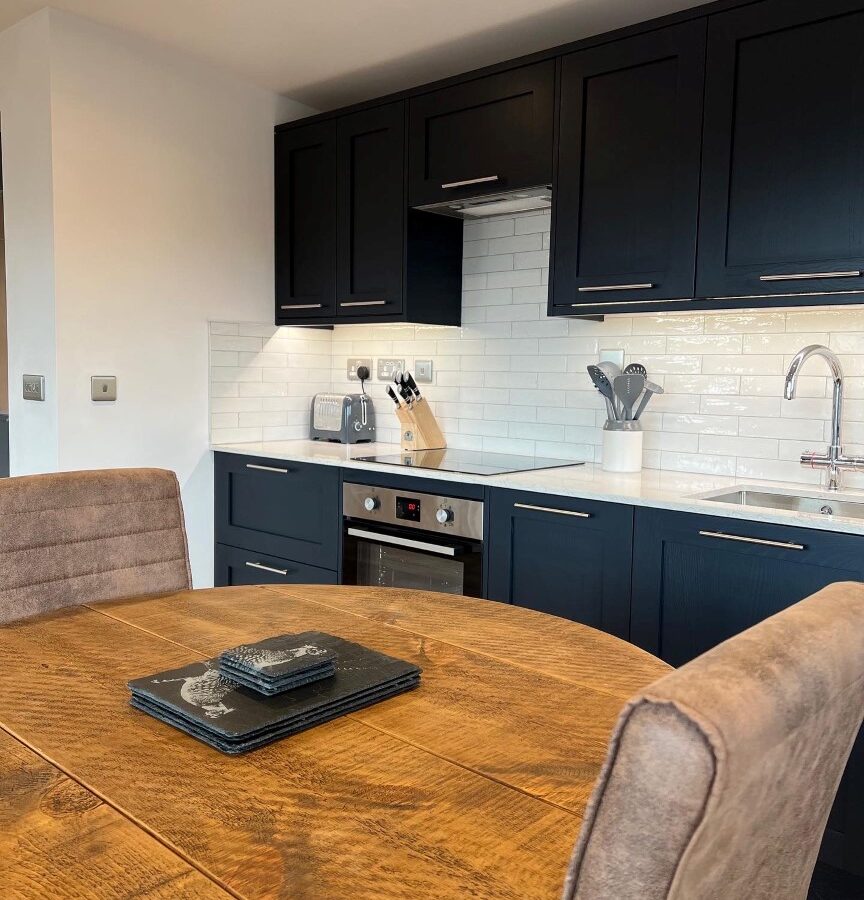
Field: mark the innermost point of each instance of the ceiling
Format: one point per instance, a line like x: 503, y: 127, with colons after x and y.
x: 327, y: 53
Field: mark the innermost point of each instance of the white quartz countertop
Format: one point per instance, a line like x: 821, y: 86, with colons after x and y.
x: 650, y: 487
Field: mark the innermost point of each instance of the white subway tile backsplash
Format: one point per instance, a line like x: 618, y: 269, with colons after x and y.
x: 512, y: 380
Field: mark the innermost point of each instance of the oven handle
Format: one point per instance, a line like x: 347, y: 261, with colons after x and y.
x: 402, y: 542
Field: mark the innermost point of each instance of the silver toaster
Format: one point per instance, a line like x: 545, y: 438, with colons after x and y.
x: 343, y: 418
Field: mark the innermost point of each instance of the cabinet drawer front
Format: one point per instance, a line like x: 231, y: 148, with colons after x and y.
x: 562, y: 556
x: 285, y: 509
x: 305, y: 190
x: 371, y: 212
x: 237, y: 566
x: 627, y: 174
x: 782, y: 211
x: 699, y: 580
x: 494, y: 133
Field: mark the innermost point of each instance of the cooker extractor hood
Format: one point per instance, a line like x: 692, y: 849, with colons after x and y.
x: 501, y: 203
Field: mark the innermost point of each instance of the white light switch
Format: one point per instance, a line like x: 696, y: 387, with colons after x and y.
x: 103, y: 387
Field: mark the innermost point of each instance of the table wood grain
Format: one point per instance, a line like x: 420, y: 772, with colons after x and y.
x: 472, y: 785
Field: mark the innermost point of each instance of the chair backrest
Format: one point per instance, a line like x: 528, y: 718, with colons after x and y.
x: 77, y: 537
x: 720, y: 776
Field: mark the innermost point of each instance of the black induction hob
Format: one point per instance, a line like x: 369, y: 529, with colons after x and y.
x: 469, y: 462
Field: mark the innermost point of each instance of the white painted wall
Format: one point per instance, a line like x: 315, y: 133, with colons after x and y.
x: 163, y: 219
x: 25, y: 120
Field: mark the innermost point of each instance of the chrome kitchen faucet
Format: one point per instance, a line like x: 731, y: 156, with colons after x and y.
x: 833, y: 459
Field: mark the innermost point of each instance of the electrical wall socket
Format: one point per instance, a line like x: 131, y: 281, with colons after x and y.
x: 354, y: 364
x: 387, y: 368
x: 613, y: 356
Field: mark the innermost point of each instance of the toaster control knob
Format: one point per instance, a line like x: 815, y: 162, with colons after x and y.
x: 444, y: 515
x: 371, y: 504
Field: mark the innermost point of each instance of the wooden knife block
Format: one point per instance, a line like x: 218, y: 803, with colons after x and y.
x: 420, y: 430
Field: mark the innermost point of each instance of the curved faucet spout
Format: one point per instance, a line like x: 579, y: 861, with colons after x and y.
x: 801, y: 357
x: 833, y: 460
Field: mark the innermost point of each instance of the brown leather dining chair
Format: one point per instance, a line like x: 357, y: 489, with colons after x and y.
x: 76, y: 537
x: 720, y: 776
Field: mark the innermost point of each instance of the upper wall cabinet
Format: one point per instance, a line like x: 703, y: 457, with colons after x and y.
x: 489, y: 135
x: 626, y: 189
x: 782, y: 192
x: 348, y: 249
x: 371, y: 210
x: 305, y: 222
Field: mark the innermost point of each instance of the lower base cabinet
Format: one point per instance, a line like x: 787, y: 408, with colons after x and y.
x: 563, y: 556
x: 698, y: 580
x: 234, y: 566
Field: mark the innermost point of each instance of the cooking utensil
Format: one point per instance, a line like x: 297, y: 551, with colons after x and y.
x: 610, y: 370
x: 650, y: 390
x: 628, y: 389
x: 602, y: 383
x: 635, y: 369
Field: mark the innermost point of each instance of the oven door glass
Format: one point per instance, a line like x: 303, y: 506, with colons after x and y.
x: 392, y: 559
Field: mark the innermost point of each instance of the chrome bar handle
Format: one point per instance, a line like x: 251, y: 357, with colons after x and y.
x: 457, y: 184
x: 402, y: 542
x: 263, y: 568
x: 550, y: 509
x: 267, y: 468
x: 364, y: 303
x: 785, y: 545
x: 591, y: 289
x: 302, y: 306
x: 802, y: 276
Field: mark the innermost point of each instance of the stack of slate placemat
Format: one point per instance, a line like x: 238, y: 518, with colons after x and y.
x: 257, y: 693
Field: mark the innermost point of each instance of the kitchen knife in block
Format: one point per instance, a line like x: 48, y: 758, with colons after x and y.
x: 420, y: 429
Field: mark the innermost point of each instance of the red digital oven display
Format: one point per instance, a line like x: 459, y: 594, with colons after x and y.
x: 408, y: 508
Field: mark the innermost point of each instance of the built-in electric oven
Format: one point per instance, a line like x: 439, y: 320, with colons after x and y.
x: 405, y: 539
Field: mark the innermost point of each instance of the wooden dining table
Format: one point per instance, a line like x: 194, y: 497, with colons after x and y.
x: 472, y: 785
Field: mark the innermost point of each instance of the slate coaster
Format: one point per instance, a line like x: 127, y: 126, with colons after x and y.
x: 198, y: 696
x: 280, y: 656
x: 269, y: 687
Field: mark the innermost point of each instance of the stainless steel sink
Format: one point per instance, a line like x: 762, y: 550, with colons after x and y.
x: 812, y: 503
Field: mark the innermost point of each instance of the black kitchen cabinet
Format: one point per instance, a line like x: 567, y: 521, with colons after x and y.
x: 286, y: 510
x: 562, y: 556
x: 626, y: 192
x: 782, y: 193
x: 494, y: 133
x: 371, y: 210
x: 237, y: 566
x: 305, y: 196
x: 393, y: 263
x: 362, y: 255
x: 698, y: 580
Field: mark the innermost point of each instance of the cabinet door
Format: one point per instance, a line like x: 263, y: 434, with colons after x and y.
x: 495, y: 132
x: 236, y: 566
x: 693, y: 588
x: 698, y: 580
x: 563, y: 556
x: 371, y: 212
x: 782, y: 193
x: 305, y: 222
x: 627, y: 176
x: 285, y: 509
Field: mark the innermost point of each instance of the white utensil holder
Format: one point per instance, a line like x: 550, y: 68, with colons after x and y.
x: 622, y: 447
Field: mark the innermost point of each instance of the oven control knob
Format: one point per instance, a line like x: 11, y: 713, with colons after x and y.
x: 371, y: 504
x: 444, y: 515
